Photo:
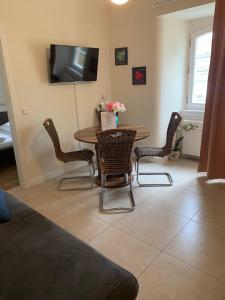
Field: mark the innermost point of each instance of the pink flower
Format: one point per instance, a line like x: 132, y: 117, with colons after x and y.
x: 109, y: 106
x: 115, y: 106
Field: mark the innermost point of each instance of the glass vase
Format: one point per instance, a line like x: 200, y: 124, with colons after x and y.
x: 117, y: 119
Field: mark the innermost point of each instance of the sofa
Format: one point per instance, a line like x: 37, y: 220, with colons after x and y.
x: 41, y: 261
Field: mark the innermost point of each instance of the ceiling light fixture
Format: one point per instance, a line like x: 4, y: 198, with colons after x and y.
x: 119, y: 1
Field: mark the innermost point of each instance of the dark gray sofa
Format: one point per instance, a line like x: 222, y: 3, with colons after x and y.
x: 41, y: 261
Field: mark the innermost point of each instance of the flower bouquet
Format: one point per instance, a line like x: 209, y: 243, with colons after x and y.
x: 113, y: 106
x: 110, y: 108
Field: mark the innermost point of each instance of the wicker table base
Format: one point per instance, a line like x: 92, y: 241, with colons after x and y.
x: 113, y: 181
x: 88, y: 135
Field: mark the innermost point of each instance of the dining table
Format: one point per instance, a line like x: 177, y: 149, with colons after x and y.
x: 88, y: 135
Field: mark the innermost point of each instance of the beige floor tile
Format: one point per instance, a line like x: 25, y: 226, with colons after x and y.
x: 187, y: 164
x: 91, y: 205
x: 170, y: 279
x: 51, y: 185
x: 213, y: 212
x: 125, y: 250
x: 79, y: 198
x: 49, y: 206
x: 152, y: 225
x: 181, y: 171
x: 26, y: 194
x: 181, y: 177
x: 201, y: 247
x: 199, y: 184
x: 82, y: 224
x: 178, y: 200
x: 89, y: 201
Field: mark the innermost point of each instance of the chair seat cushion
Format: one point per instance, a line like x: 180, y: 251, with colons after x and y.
x: 78, y: 155
x: 150, y: 151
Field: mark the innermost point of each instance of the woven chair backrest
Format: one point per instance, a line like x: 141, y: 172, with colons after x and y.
x: 172, y: 128
x: 114, y: 150
x: 50, y: 128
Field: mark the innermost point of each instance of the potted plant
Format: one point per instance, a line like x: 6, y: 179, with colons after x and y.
x: 176, y: 149
x: 175, y: 152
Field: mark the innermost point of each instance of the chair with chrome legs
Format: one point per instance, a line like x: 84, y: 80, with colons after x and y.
x: 114, y: 158
x: 142, y: 152
x: 83, y: 155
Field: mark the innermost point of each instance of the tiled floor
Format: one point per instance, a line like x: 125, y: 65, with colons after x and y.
x: 174, y: 241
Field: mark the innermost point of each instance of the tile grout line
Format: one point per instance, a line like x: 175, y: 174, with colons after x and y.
x: 209, y: 227
x: 200, y: 208
x: 137, y: 238
x: 195, y: 268
x: 183, y: 227
x: 94, y: 238
x: 149, y: 265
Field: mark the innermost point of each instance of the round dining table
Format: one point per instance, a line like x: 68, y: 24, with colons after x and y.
x: 88, y: 135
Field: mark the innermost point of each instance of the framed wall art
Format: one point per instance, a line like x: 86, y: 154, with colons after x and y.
x: 121, y: 56
x: 139, y: 76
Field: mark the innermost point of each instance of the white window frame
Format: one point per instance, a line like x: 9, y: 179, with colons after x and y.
x: 194, y: 36
x: 80, y: 52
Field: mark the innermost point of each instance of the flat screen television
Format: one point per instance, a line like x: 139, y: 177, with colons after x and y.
x: 73, y: 64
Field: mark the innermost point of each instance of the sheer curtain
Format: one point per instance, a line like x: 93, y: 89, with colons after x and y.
x: 212, y: 157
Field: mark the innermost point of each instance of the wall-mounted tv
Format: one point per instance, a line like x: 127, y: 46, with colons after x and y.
x: 73, y: 64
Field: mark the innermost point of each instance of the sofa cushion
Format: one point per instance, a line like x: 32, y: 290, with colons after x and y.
x: 40, y: 260
x: 17, y: 208
x: 4, y: 212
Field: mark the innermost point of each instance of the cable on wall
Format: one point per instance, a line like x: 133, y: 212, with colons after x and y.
x: 162, y: 2
x: 76, y: 107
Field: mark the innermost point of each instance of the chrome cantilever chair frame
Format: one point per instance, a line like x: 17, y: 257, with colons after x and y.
x: 91, y: 172
x: 115, y: 209
x: 169, y: 177
x: 114, y: 151
x: 82, y: 155
x: 143, y: 152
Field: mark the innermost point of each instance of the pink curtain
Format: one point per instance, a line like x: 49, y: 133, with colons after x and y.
x: 212, y: 157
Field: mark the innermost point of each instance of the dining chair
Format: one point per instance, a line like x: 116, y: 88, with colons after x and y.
x: 114, y: 158
x: 82, y: 155
x: 143, y: 152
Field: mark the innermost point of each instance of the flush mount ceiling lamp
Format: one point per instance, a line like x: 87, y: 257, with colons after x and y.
x: 119, y: 1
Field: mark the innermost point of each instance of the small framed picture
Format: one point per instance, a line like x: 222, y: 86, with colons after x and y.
x: 139, y: 76
x: 121, y: 56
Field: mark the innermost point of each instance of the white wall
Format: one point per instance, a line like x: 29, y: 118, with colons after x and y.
x: 196, y: 25
x: 172, y: 71
x: 30, y: 26
x: 137, y: 26
x: 2, y: 89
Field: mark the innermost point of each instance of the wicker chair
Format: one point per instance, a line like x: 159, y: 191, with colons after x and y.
x: 142, y: 152
x: 83, y: 155
x: 114, y: 152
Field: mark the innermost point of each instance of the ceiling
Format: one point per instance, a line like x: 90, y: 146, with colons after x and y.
x: 202, y: 11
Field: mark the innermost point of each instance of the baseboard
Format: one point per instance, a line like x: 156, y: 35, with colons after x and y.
x: 190, y: 156
x: 53, y: 174
x: 44, y: 177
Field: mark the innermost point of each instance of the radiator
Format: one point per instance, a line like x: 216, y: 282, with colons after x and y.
x: 192, y: 139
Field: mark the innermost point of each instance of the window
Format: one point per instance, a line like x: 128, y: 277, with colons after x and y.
x: 80, y: 56
x: 200, y: 56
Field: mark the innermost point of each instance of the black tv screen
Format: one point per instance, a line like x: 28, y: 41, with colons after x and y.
x: 73, y: 63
